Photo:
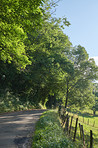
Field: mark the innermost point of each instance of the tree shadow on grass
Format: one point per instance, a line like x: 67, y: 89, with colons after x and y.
x: 84, y: 114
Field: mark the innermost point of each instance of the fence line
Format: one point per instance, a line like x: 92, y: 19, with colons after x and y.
x: 86, y: 123
x: 68, y: 128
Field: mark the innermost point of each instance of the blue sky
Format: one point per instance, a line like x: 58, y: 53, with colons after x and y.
x: 83, y: 16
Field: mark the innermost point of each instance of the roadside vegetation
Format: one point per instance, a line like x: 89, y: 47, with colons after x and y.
x: 9, y: 103
x: 49, y: 133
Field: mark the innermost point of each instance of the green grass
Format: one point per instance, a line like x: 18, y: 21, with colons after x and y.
x: 49, y: 134
x: 89, y: 122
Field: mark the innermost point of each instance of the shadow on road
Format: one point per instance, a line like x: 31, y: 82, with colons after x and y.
x: 15, y: 127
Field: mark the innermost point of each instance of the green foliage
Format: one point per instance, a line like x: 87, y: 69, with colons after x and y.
x: 9, y: 102
x: 95, y: 106
x: 49, y: 133
x: 95, y: 93
x: 17, y: 18
x: 49, y: 61
x: 95, y: 89
x: 79, y: 86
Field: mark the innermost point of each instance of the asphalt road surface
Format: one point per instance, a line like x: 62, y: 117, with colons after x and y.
x: 16, y: 128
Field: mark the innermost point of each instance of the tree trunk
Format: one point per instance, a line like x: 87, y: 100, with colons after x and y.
x: 94, y: 112
x: 67, y: 95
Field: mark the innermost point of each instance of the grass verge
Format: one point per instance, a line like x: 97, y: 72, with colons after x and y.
x: 49, y: 134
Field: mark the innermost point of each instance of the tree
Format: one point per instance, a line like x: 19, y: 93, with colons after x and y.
x: 17, y: 18
x: 48, y: 60
x: 78, y: 86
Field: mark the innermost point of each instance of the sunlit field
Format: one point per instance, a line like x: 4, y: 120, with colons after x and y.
x: 89, y: 122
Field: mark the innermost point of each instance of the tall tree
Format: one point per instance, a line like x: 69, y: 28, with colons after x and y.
x: 49, y: 60
x: 78, y: 86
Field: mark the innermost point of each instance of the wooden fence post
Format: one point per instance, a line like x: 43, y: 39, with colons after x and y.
x: 83, y: 119
x: 91, y: 139
x: 75, y: 129
x: 93, y: 123
x: 67, y: 123
x: 80, y: 131
x: 83, y: 134
x: 88, y: 121
x: 70, y: 125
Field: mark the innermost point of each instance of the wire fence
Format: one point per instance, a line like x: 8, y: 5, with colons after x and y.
x: 74, y: 129
x: 85, y: 121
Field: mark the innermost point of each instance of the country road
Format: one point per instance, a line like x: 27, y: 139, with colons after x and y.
x: 16, y: 128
